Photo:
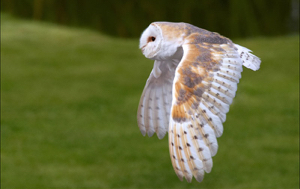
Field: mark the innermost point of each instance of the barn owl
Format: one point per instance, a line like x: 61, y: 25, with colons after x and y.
x: 189, y: 90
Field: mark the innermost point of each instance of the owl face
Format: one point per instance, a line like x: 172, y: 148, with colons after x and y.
x: 157, y: 43
x: 150, y: 41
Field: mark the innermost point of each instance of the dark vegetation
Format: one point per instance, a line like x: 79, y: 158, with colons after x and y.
x: 128, y: 18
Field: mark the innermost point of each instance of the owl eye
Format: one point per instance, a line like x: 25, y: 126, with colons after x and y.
x: 151, y: 39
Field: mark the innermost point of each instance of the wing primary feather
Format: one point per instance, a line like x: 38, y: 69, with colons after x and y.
x: 167, y: 97
x: 154, y: 115
x: 173, y: 153
x: 232, y: 61
x: 186, y: 154
x: 219, y: 95
x: 234, y: 67
x: 214, y: 110
x: 194, y: 136
x: 232, y: 73
x: 178, y: 149
x: 226, y: 83
x: 212, y: 120
x: 141, y: 115
x: 223, y: 90
x: 161, y: 119
x: 223, y: 107
x: 145, y: 116
x: 249, y: 60
x: 195, y: 164
x: 150, y: 129
x: 201, y: 145
x: 227, y: 77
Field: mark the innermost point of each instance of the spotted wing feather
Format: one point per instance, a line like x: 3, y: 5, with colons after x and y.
x: 204, y: 85
x: 249, y: 60
x: 155, y: 103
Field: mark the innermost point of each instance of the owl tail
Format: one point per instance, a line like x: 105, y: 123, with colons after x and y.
x: 249, y: 60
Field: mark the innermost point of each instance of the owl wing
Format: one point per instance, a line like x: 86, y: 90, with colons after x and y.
x: 155, y: 103
x: 204, y: 85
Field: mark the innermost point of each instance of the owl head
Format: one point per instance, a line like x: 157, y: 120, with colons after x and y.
x: 162, y: 41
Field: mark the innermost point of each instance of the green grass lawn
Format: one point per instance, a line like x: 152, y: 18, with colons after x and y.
x: 68, y: 114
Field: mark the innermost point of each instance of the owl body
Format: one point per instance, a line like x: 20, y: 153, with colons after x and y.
x: 189, y: 90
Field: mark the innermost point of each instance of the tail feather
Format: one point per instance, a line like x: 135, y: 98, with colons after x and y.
x: 249, y: 60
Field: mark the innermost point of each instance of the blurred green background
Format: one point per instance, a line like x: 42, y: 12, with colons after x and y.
x: 128, y: 18
x: 72, y: 76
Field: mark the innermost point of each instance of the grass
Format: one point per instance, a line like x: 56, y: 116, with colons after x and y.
x: 68, y: 114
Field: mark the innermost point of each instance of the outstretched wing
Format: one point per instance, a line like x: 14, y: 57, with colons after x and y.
x: 204, y: 85
x: 155, y: 103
